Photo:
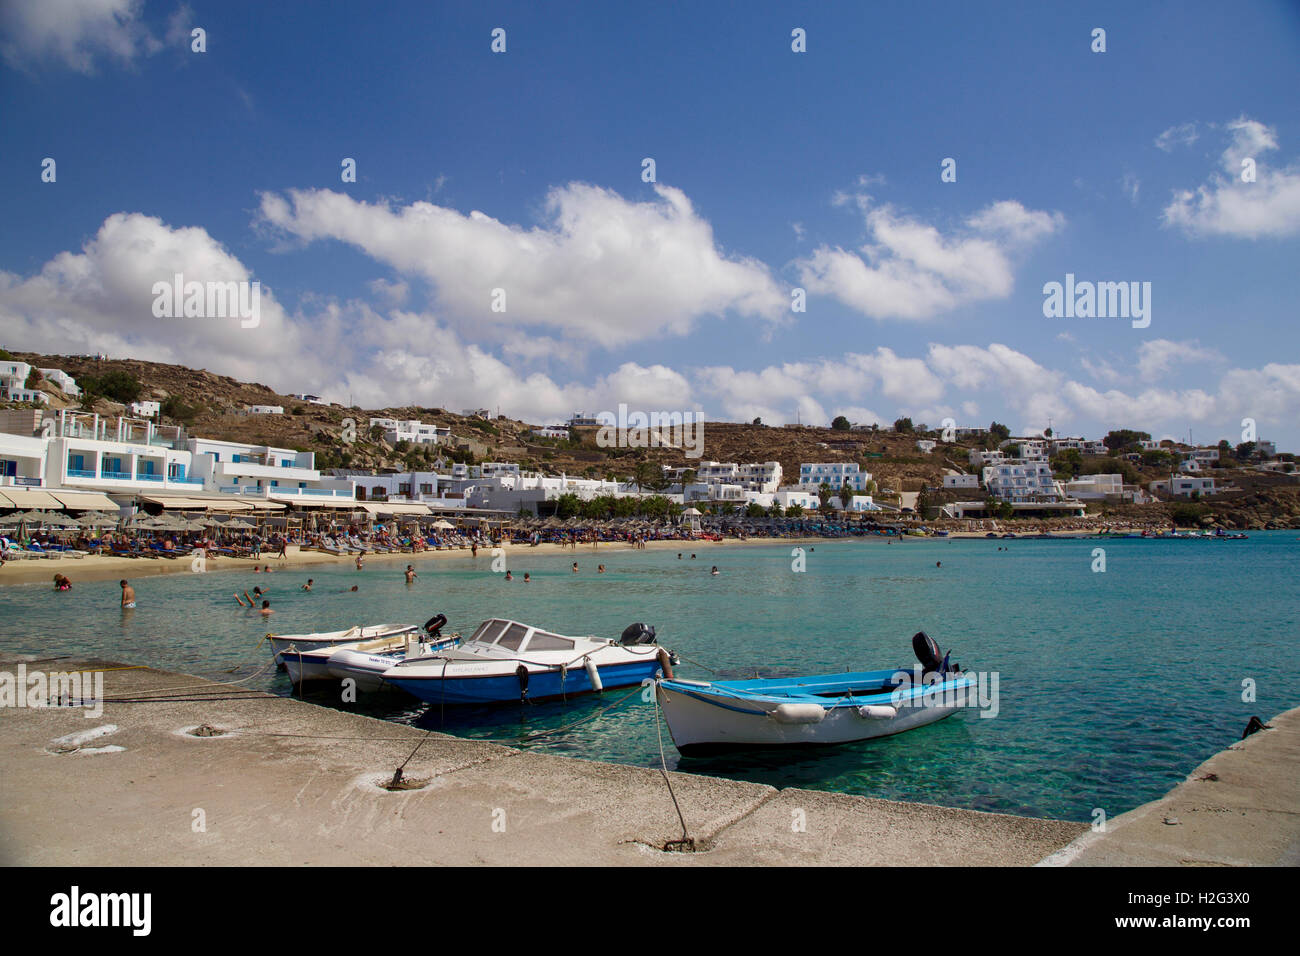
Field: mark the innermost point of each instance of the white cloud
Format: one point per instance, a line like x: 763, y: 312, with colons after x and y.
x: 1131, y: 186
x: 101, y: 299
x: 1157, y: 356
x: 394, y: 292
x: 1029, y: 387
x: 1227, y: 206
x: 910, y: 270
x: 1184, y: 135
x: 74, y: 32
x: 601, y: 269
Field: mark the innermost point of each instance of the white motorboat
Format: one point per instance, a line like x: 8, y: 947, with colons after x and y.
x: 509, y: 661
x: 362, y: 661
x: 309, y: 642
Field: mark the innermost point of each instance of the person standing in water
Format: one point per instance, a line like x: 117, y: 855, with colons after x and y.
x: 128, y: 595
x: 410, y: 574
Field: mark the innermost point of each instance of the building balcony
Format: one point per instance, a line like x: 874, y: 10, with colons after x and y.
x: 80, y: 473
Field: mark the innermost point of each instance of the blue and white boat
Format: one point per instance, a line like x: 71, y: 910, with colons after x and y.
x: 715, y: 716
x: 510, y: 661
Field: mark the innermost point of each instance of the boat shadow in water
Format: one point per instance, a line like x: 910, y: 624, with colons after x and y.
x: 937, y: 750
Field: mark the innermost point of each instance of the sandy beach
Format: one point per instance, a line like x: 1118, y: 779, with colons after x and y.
x: 102, y: 567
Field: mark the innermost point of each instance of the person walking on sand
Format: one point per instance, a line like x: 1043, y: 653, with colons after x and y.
x: 128, y: 595
x: 284, y: 547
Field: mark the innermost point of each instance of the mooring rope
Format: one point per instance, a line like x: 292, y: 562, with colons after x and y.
x: 686, y: 840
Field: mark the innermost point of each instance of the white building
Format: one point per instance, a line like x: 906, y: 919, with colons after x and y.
x: 925, y: 446
x: 63, y: 380
x: 787, y: 497
x: 581, y: 420
x: 1082, y: 445
x: 1030, y: 449
x: 309, y: 399
x: 551, y: 431
x: 1096, y: 487
x: 476, y: 413
x: 263, y: 409
x: 979, y: 458
x: 961, y: 481
x: 237, y: 468
x: 1188, y: 486
x: 1022, y: 481
x: 761, y: 477
x: 835, y: 473
x: 145, y: 409
x: 1266, y: 449
x: 410, y: 430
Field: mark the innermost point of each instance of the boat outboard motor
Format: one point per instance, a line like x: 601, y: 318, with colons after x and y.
x: 434, y: 625
x: 638, y: 634
x: 927, y: 652
x: 521, y: 674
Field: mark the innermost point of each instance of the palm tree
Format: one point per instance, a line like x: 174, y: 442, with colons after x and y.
x: 824, y: 494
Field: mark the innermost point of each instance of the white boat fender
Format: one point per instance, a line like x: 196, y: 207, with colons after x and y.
x: 799, y: 714
x: 878, y: 711
x: 666, y: 662
x: 594, y: 673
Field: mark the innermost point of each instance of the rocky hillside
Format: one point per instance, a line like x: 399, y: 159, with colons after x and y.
x: 212, y: 406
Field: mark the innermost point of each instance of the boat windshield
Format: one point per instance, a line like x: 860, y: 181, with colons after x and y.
x: 513, y: 637
x: 489, y: 631
x: 542, y: 641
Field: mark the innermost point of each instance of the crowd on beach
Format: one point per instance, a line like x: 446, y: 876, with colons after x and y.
x: 356, y: 540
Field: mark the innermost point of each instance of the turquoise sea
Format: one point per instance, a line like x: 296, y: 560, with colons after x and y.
x: 1113, y: 685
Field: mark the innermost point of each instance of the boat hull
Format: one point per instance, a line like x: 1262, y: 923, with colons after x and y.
x: 504, y: 688
x: 703, y: 723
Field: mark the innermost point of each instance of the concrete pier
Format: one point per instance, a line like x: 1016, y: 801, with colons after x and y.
x: 293, y: 783
x: 1239, y: 808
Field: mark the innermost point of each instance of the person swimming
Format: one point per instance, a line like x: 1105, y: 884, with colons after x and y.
x: 715, y: 570
x: 307, y: 586
x: 600, y: 569
x: 61, y: 583
x: 266, y: 609
x: 509, y: 576
x: 575, y: 567
x: 527, y: 578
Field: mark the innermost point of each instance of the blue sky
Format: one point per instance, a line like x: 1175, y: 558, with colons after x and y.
x: 775, y: 170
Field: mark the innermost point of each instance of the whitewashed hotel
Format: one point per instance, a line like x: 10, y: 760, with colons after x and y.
x: 837, y: 474
x: 1023, y: 481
